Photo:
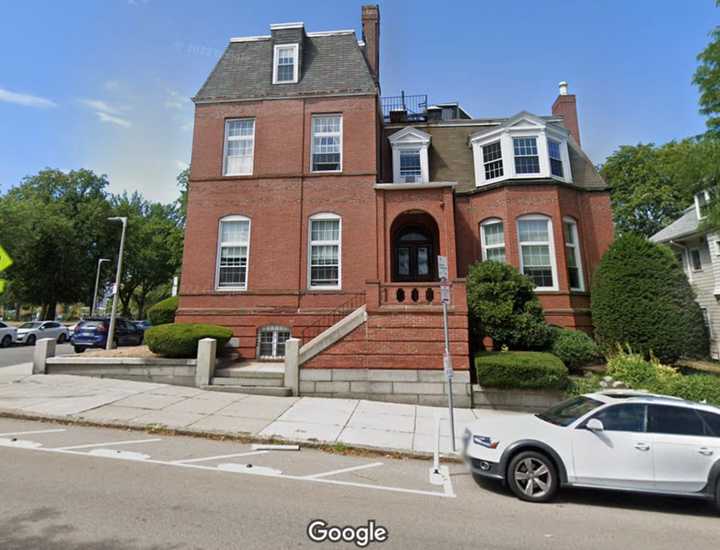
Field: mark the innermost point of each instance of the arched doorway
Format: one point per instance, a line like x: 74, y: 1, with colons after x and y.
x: 415, y: 247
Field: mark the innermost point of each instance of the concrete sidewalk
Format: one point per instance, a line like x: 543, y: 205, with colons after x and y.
x: 352, y: 422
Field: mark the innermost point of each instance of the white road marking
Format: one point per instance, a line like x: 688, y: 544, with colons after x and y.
x: 21, y: 443
x: 218, y: 457
x: 33, y: 432
x: 248, y: 469
x: 108, y: 444
x: 268, y: 447
x: 352, y: 469
x: 114, y: 453
x: 448, y: 493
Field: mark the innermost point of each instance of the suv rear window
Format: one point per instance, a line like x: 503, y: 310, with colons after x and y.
x: 91, y: 324
x: 665, y: 419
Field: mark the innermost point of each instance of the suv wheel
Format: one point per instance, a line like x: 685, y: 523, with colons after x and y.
x: 31, y: 340
x: 78, y: 349
x: 532, y: 476
x: 717, y: 496
x: 6, y: 341
x: 61, y: 338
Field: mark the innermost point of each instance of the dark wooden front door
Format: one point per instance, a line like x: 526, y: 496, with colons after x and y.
x: 414, y: 255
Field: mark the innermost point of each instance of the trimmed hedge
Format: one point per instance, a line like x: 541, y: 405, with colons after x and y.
x: 642, y: 298
x: 521, y: 370
x: 163, y: 312
x: 181, y: 340
x: 503, y: 306
x: 574, y: 347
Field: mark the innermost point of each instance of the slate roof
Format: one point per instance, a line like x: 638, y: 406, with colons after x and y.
x: 331, y: 64
x: 685, y: 225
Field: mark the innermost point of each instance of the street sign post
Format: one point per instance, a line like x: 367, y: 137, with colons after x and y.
x: 447, y: 360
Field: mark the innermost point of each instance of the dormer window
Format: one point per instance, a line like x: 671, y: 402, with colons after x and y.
x: 410, y: 155
x: 285, y: 65
x: 525, y: 146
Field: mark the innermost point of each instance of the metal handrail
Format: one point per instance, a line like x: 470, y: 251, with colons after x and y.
x: 329, y: 319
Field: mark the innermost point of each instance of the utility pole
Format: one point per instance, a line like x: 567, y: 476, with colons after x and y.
x: 97, y: 282
x: 447, y: 359
x: 116, y: 287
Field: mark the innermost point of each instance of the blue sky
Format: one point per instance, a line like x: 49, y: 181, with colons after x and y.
x: 106, y: 84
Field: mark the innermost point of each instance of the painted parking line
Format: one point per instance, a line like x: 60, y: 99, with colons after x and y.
x: 344, y: 470
x: 218, y: 457
x: 8, y: 434
x: 108, y: 444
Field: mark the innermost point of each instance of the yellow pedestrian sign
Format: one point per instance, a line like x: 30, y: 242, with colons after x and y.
x: 5, y: 262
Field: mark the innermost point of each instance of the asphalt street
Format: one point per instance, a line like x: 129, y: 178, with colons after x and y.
x: 86, y: 488
x: 15, y: 355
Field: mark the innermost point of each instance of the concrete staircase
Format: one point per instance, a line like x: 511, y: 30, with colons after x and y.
x: 254, y: 377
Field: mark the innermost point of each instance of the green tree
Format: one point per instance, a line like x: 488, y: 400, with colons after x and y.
x: 153, y: 248
x: 504, y: 306
x: 707, y: 79
x: 54, y: 226
x: 642, y: 298
x: 183, y: 183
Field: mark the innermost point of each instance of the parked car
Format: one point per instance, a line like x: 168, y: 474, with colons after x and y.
x: 143, y: 325
x: 611, y: 440
x: 31, y: 332
x: 93, y: 333
x: 8, y: 335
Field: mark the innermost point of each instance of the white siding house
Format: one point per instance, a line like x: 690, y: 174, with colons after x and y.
x: 698, y: 251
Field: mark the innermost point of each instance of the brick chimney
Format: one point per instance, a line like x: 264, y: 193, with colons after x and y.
x: 566, y: 107
x: 371, y: 37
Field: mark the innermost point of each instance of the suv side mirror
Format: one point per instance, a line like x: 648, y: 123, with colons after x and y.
x: 594, y: 425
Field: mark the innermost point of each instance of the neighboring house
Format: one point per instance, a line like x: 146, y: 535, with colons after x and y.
x: 698, y: 251
x: 311, y: 196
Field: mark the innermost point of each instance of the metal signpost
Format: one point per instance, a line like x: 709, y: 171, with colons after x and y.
x: 447, y: 360
x: 97, y: 282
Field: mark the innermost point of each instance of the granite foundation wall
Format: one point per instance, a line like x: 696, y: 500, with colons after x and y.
x: 179, y: 372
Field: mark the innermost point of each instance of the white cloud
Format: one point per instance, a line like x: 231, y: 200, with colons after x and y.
x: 113, y: 119
x: 102, y: 106
x: 176, y: 100
x: 25, y: 100
x: 111, y: 85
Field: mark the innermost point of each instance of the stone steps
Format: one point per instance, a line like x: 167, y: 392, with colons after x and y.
x: 276, y: 391
x: 254, y: 377
x: 247, y: 381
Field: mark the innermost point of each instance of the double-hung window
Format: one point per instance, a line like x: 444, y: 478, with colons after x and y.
x: 537, y: 253
x: 556, y: 163
x: 572, y: 255
x: 324, y: 263
x: 239, y: 147
x: 492, y: 160
x: 695, y: 259
x: 410, y: 167
x: 285, y: 68
x: 492, y: 237
x: 233, y: 253
x: 326, y: 143
x: 526, y: 155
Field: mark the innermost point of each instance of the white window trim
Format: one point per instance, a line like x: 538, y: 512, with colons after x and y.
x: 708, y: 198
x: 550, y: 243
x: 324, y: 216
x: 577, y: 252
x: 410, y: 138
x: 312, y: 143
x: 296, y: 64
x: 526, y: 128
x: 483, y: 245
x: 234, y: 218
x: 274, y: 329
x: 690, y: 258
x: 227, y: 139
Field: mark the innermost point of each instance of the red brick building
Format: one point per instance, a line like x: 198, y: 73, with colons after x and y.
x: 312, y: 196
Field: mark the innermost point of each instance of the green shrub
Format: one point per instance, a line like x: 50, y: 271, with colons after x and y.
x: 641, y: 298
x: 163, y: 312
x: 503, y: 305
x: 574, y: 347
x: 181, y: 340
x: 698, y: 387
x: 589, y: 383
x: 520, y: 369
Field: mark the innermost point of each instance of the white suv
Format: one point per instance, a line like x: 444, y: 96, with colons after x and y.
x: 612, y: 440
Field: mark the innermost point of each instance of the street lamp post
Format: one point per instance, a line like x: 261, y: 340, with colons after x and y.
x: 97, y: 282
x: 116, y: 287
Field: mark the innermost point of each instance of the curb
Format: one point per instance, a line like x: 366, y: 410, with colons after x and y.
x: 334, y: 448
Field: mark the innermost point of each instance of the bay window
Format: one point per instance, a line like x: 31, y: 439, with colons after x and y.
x: 537, y: 251
x: 492, y: 160
x: 492, y: 238
x: 556, y: 163
x: 233, y: 253
x: 572, y: 255
x: 324, y: 255
x: 526, y: 155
